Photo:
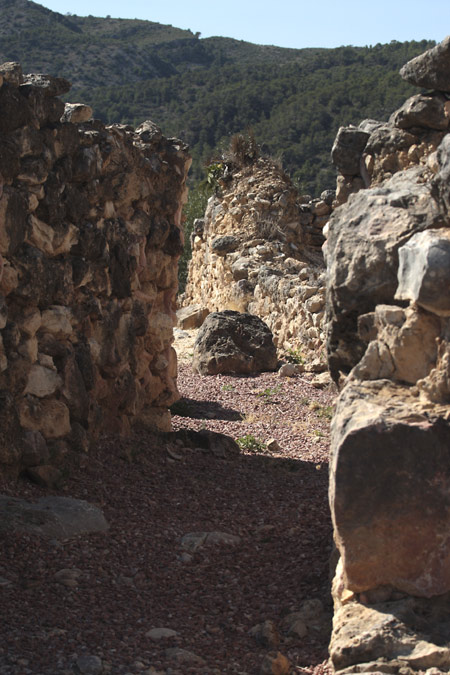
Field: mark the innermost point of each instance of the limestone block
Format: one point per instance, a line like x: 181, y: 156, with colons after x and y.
x: 424, y: 271
x: 347, y: 150
x: 30, y: 321
x: 9, y: 280
x: 405, y: 348
x: 389, y: 472
x: 57, y: 320
x: 42, y: 381
x: 191, y: 316
x: 76, y: 113
x: 50, y: 241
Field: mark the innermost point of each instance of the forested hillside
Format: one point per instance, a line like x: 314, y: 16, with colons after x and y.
x: 204, y: 90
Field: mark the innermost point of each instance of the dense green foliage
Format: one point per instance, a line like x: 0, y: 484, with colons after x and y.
x: 195, y: 208
x: 204, y: 90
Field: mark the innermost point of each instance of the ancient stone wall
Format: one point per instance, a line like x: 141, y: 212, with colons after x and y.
x: 90, y: 235
x: 388, y: 340
x: 258, y: 251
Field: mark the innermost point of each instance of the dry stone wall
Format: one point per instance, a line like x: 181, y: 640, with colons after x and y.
x: 388, y: 340
x: 90, y: 235
x: 257, y: 250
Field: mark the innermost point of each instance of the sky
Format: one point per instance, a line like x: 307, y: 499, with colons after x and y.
x: 285, y: 23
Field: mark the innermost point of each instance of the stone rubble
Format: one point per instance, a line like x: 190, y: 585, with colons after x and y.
x: 90, y: 236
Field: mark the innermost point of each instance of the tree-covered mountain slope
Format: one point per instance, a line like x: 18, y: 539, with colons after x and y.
x: 204, y: 90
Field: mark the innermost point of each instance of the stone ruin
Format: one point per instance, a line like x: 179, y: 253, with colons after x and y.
x: 388, y: 330
x: 257, y: 250
x: 90, y: 236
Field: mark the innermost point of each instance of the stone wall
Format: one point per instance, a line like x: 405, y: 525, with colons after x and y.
x: 258, y: 251
x: 90, y: 235
x: 388, y: 340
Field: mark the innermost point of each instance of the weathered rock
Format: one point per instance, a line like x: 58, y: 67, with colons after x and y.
x: 442, y: 179
x: 195, y: 540
x: 393, y: 633
x: 46, y: 475
x: 184, y: 657
x: 347, y: 150
x: 422, y: 111
x: 191, y: 317
x: 89, y: 664
x: 76, y: 113
x: 230, y: 342
x: 53, y: 517
x: 431, y: 69
x: 424, y: 271
x: 387, y: 138
x: 436, y: 385
x: 161, y: 633
x: 224, y: 245
x: 362, y: 256
x: 389, y: 458
x: 404, y: 347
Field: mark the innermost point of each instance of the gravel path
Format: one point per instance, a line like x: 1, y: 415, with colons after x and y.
x: 211, y: 592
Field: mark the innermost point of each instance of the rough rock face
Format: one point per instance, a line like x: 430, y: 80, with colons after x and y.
x: 388, y: 329
x: 362, y: 252
x: 371, y: 153
x: 257, y: 251
x: 90, y: 234
x: 231, y: 342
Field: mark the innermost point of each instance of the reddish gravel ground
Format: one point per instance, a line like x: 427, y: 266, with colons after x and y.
x: 136, y: 577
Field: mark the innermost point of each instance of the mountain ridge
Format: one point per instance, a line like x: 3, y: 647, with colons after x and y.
x: 205, y: 89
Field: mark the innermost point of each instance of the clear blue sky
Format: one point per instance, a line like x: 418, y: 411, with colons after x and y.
x: 286, y: 23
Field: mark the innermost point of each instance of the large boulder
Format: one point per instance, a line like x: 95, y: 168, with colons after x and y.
x: 231, y: 342
x: 390, y: 504
x: 431, y: 69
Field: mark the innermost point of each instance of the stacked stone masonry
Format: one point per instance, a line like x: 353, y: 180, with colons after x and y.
x: 388, y: 342
x: 258, y: 251
x: 90, y: 235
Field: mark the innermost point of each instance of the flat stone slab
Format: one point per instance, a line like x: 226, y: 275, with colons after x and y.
x: 54, y: 517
